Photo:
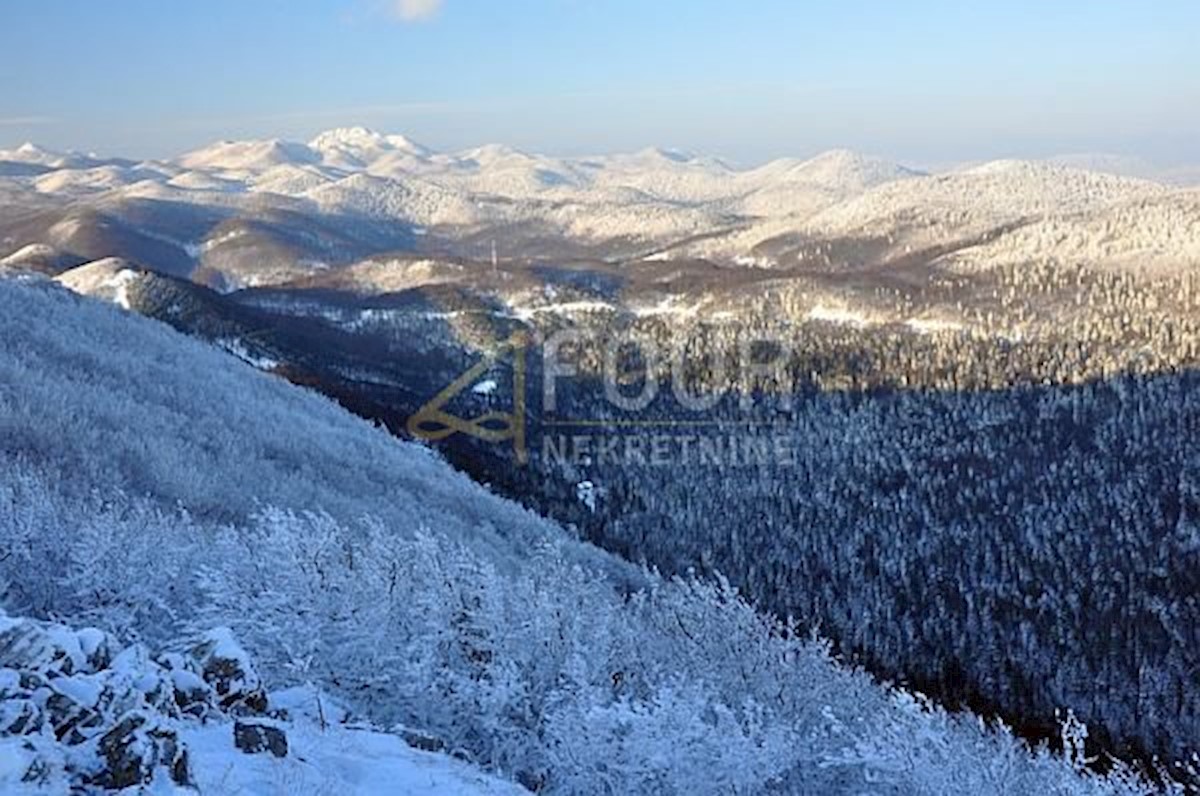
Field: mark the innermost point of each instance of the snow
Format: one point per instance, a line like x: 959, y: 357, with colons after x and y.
x: 90, y: 640
x: 30, y: 152
x: 585, y: 491
x: 240, y: 350
x: 652, y: 195
x: 109, y: 278
x: 34, y: 251
x: 331, y: 760
x: 224, y: 645
x: 248, y: 156
x: 310, y: 703
x: 838, y: 315
x: 563, y: 308
x: 485, y: 387
x: 358, y: 147
x: 337, y: 760
x: 667, y: 306
x: 15, y: 760
x: 932, y: 325
x: 664, y: 199
x: 82, y: 690
x: 184, y: 680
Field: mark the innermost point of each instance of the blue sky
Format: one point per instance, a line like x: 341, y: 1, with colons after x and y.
x: 924, y: 81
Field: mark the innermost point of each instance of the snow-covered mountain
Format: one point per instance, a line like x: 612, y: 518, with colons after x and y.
x: 357, y: 148
x: 251, y: 156
x: 33, y: 155
x: 617, y: 208
x: 160, y: 496
x: 1130, y: 166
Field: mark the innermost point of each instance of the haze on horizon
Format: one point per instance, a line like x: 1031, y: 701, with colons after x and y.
x: 935, y: 81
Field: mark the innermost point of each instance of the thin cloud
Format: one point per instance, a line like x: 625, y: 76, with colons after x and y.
x: 24, y: 121
x: 334, y: 116
x: 416, y: 10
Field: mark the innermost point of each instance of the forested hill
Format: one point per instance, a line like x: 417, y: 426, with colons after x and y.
x: 156, y: 489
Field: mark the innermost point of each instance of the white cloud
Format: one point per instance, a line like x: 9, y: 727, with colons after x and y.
x: 416, y: 10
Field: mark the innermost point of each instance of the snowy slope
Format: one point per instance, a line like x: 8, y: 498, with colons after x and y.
x: 151, y: 486
x: 982, y: 197
x: 248, y: 156
x: 999, y: 213
x: 1144, y: 234
x: 107, y: 279
x: 342, y: 761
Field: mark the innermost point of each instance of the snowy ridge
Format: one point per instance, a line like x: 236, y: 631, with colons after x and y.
x: 250, y: 156
x: 983, y: 196
x: 108, y: 279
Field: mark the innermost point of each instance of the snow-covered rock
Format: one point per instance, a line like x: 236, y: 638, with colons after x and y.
x: 227, y: 668
x: 74, y: 716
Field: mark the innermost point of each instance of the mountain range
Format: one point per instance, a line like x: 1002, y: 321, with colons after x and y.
x: 253, y: 213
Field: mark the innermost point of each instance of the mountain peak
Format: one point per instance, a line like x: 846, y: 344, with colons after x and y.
x: 249, y: 155
x: 348, y: 136
x: 30, y: 152
x: 358, y: 140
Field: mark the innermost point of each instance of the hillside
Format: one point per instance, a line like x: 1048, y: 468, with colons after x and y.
x: 155, y: 488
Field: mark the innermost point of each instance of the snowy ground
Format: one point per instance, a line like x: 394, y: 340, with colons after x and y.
x: 332, y: 762
x: 338, y: 762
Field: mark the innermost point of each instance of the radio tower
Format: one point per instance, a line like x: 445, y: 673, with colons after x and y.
x: 495, y: 259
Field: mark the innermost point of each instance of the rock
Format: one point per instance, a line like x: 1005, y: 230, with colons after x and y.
x: 131, y: 751
x: 139, y: 683
x: 47, y: 649
x: 423, y: 741
x: 173, y: 756
x: 10, y: 683
x: 125, y: 764
x: 226, y: 666
x: 254, y: 738
x: 38, y: 772
x: 104, y: 721
x: 191, y: 694
x: 20, y: 717
x: 70, y: 719
x: 96, y: 647
x: 530, y: 781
